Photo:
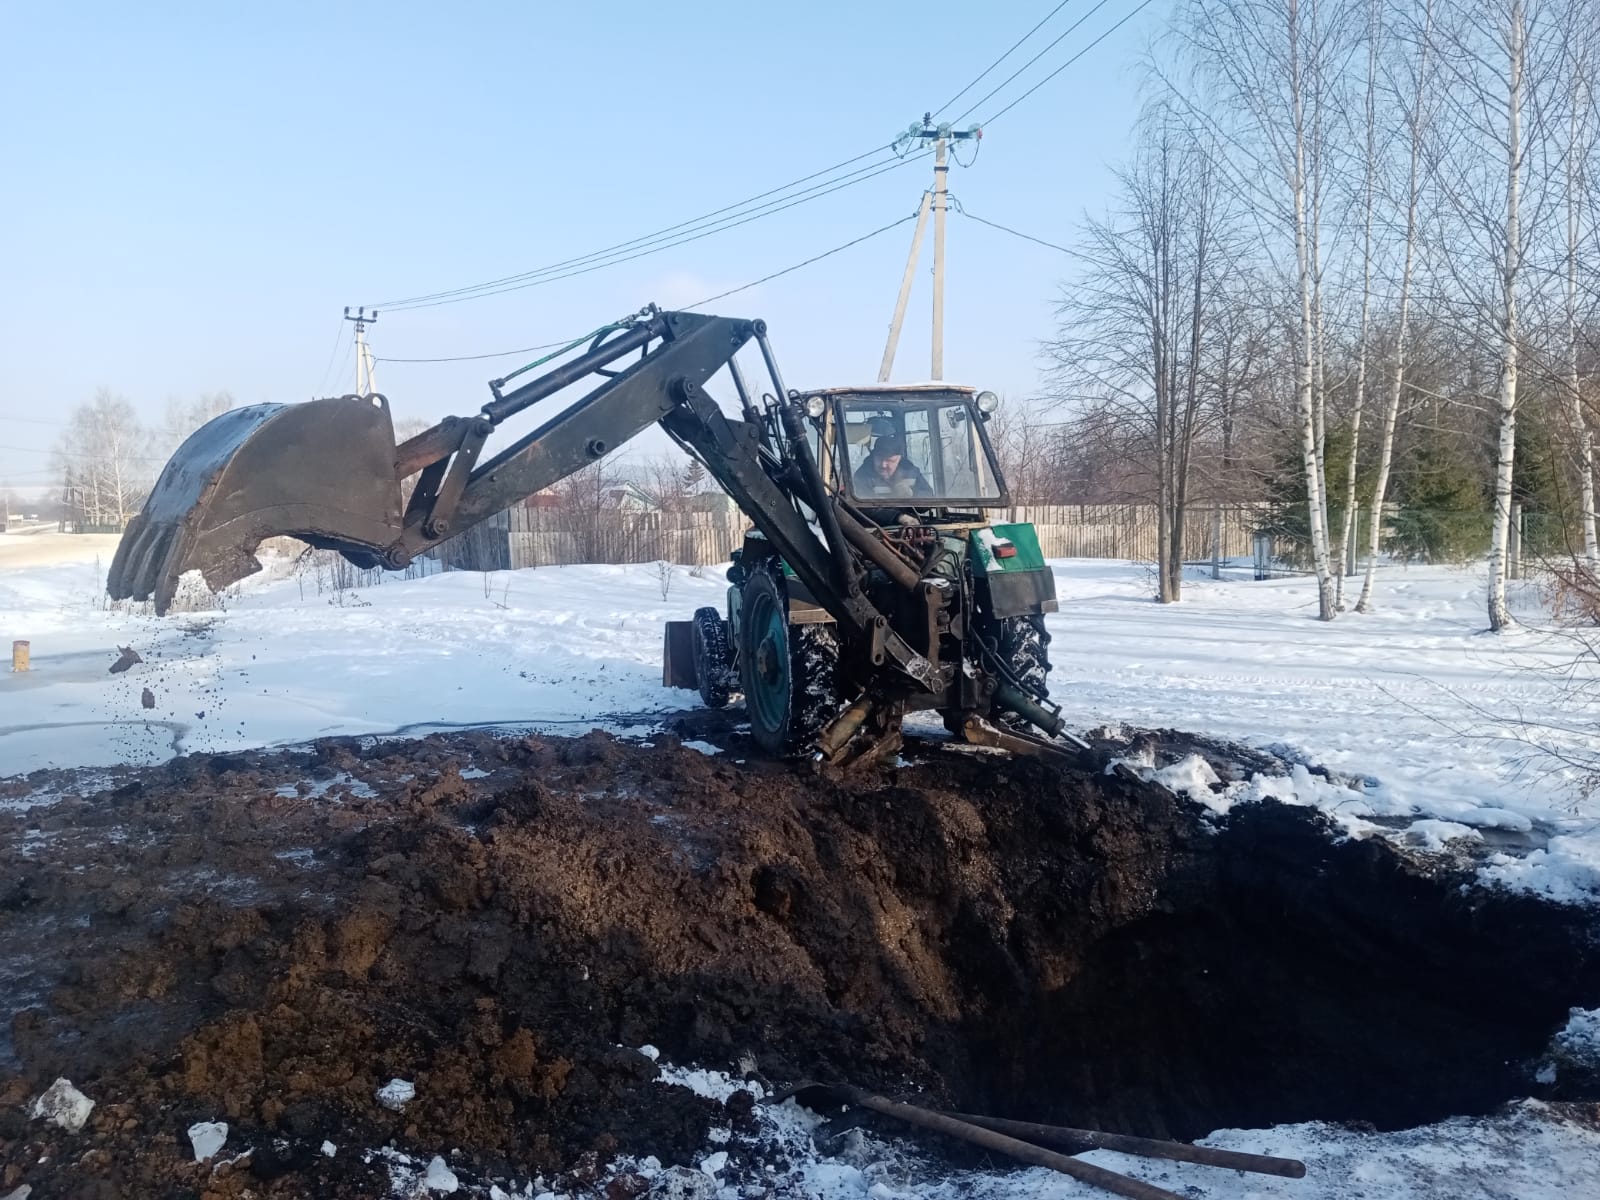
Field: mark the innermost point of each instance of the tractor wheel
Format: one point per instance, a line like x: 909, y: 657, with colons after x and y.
x: 713, y: 673
x: 1024, y: 646
x: 789, y: 672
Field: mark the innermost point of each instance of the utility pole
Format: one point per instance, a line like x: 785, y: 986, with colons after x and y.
x: 941, y: 136
x: 366, y: 378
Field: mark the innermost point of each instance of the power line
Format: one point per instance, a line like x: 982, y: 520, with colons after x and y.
x: 1131, y: 15
x: 41, y: 450
x: 632, y: 243
x: 806, y: 263
x: 476, y: 357
x: 697, y: 304
x: 338, y: 340
x: 683, y: 241
x: 1027, y: 237
x: 1059, y: 38
x: 1002, y: 58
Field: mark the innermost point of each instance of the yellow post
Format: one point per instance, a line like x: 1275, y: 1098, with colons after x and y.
x: 19, y: 656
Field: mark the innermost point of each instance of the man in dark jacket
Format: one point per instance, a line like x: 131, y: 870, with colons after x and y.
x: 888, y: 472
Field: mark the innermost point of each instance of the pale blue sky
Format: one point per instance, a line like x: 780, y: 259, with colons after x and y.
x: 192, y: 192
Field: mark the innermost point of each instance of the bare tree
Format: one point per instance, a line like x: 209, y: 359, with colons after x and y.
x: 1413, y: 69
x: 1027, y: 445
x: 1496, y: 59
x: 102, y: 461
x: 1134, y: 329
x: 1369, y: 177
x: 1271, y: 62
x: 1581, y: 42
x: 183, y: 417
x: 588, y: 501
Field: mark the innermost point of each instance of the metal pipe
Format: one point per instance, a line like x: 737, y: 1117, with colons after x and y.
x: 1111, y: 1181
x: 861, y: 538
x: 1094, y: 1139
x: 569, y: 373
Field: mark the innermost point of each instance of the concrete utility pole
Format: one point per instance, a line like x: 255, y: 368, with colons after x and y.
x: 366, y: 378
x: 941, y: 136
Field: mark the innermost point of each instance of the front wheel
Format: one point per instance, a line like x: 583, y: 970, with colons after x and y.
x: 713, y: 674
x: 789, y: 672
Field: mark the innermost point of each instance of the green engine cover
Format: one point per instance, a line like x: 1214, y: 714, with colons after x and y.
x: 1010, y: 572
x: 990, y: 546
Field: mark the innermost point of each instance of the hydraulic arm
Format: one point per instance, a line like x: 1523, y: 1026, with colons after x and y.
x: 328, y: 472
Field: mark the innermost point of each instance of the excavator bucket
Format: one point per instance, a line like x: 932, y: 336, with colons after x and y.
x: 323, y: 472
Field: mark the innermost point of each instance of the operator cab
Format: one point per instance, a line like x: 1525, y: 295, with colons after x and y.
x: 918, y: 446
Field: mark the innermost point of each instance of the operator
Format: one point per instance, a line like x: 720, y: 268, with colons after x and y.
x: 888, y: 472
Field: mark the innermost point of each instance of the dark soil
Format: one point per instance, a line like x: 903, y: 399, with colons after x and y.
x: 267, y: 939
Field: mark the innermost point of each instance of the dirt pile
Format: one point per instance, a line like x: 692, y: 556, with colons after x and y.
x: 269, y: 939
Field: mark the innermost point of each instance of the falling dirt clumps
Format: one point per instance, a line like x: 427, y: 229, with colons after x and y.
x: 270, y: 939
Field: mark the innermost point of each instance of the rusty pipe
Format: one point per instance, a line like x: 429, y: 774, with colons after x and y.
x: 1100, y: 1177
x: 1093, y: 1139
x: 857, y: 534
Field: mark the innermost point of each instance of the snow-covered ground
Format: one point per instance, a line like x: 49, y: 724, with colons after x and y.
x: 1431, y: 729
x: 1439, y: 729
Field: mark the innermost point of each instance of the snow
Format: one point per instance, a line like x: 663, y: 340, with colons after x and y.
x: 396, y: 1094
x: 567, y: 649
x: 64, y: 1105
x: 207, y: 1137
x: 1528, y: 1151
x: 329, y: 1149
x: 439, y: 1177
x: 1407, y: 723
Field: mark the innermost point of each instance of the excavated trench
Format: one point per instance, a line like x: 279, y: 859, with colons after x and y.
x: 266, y: 939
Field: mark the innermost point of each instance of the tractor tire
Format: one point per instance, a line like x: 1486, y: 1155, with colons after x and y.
x: 1024, y: 646
x: 713, y: 667
x: 790, y: 672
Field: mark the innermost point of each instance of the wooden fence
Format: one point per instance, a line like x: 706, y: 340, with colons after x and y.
x: 532, y: 537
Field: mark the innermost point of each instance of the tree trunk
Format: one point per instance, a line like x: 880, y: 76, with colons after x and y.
x: 1499, y: 612
x: 1391, y: 414
x: 1347, y: 530
x: 1315, y: 499
x: 1582, y: 436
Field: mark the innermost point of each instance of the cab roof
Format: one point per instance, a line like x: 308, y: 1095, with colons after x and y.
x: 892, y: 389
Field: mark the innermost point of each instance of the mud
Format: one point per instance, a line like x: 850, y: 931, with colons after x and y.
x: 267, y: 939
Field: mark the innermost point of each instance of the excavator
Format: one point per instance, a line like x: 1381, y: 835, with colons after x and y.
x: 871, y: 584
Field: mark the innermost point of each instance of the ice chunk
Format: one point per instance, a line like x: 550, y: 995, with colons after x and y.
x: 63, y: 1104
x: 712, y: 1163
x: 329, y: 1149
x: 207, y: 1138
x: 396, y: 1094
x: 439, y: 1177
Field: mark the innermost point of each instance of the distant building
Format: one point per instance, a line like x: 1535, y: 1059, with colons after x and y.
x: 630, y: 498
x: 716, y: 503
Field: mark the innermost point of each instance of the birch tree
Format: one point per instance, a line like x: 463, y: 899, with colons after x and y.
x: 1369, y: 176
x: 1134, y: 341
x: 1488, y: 57
x: 102, y: 461
x: 1581, y: 62
x: 1269, y: 62
x: 1409, y: 93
